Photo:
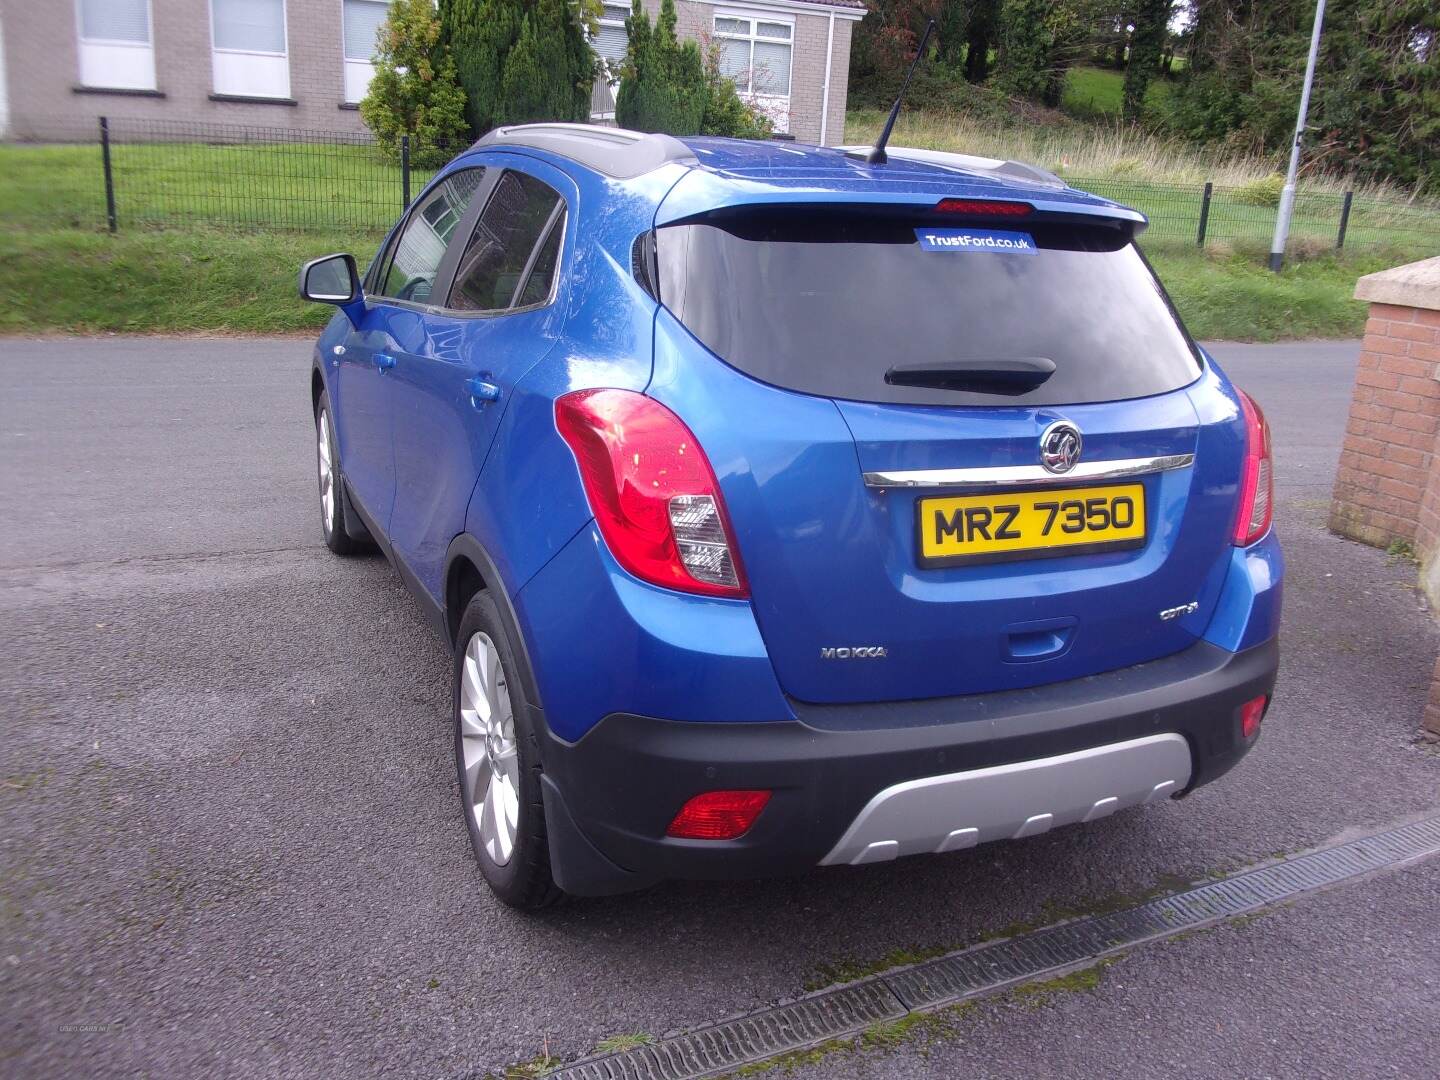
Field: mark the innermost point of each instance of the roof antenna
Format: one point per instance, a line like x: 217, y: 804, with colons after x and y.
x: 876, y: 154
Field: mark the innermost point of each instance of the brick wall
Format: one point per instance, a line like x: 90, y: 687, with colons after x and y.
x: 1387, y: 488
x: 1389, y: 450
x: 695, y: 19
x: 42, y: 69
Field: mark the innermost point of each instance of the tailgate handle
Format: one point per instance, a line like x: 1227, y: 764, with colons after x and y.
x: 1026, y: 643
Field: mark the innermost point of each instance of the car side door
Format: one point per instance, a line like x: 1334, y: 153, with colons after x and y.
x: 502, y: 312
x: 396, y: 305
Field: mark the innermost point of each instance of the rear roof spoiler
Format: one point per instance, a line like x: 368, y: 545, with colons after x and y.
x: 995, y: 168
x: 615, y: 152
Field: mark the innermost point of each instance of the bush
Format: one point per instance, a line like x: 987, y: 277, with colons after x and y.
x: 521, y: 60
x: 662, y: 81
x: 726, y: 112
x: 672, y: 86
x: 414, y: 91
x: 1263, y: 192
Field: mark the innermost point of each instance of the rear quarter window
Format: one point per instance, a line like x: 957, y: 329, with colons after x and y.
x: 829, y: 303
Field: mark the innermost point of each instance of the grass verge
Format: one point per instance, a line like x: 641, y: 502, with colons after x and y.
x: 72, y: 280
x: 75, y: 280
x: 1232, y: 296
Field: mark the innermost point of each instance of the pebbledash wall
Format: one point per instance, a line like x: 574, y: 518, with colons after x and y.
x: 46, y: 97
x: 1387, y: 489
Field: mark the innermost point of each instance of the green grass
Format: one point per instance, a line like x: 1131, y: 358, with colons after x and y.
x: 1234, y: 297
x: 169, y: 281
x: 265, y: 185
x: 281, y: 204
x: 1098, y: 92
x: 173, y: 281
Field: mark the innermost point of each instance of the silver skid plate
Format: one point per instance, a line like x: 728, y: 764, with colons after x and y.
x: 960, y: 810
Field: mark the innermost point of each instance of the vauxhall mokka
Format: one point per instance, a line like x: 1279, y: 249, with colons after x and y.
x: 785, y: 508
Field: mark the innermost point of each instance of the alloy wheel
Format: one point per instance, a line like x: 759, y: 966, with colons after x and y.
x: 488, y: 750
x: 327, y: 470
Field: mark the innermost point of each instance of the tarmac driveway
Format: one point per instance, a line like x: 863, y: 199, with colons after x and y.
x: 230, y: 842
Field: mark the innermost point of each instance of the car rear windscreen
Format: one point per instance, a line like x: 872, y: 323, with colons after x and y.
x: 861, y: 307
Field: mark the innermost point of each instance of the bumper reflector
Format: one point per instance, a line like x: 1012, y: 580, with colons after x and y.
x: 1250, y: 715
x: 718, y: 815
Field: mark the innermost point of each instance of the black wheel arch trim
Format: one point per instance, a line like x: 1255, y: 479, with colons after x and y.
x: 466, y: 546
x: 317, y: 374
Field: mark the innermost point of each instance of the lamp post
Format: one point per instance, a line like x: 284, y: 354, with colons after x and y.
x: 1287, y: 195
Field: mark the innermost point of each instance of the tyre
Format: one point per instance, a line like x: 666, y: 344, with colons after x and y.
x: 332, y: 499
x: 497, y: 758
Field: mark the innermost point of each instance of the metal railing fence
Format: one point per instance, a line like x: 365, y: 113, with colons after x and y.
x: 133, y: 173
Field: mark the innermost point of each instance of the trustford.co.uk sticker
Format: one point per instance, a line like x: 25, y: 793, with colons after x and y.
x: 994, y: 240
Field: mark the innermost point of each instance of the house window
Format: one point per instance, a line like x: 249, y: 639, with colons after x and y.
x: 117, y: 50
x: 610, y: 44
x: 248, y: 51
x: 611, y: 40
x: 363, y: 20
x: 755, y: 53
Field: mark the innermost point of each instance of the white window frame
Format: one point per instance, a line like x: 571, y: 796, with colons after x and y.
x: 356, y: 73
x: 244, y: 65
x: 612, y: 75
x: 753, y: 17
x: 609, y: 74
x: 774, y: 106
x: 106, y: 64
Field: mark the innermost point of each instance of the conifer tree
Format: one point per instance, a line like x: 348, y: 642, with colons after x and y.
x: 662, y: 82
x: 414, y: 91
x: 521, y: 60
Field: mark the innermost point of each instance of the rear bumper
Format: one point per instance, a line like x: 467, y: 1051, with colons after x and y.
x: 611, y: 794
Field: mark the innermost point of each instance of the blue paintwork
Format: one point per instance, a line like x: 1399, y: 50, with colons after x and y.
x: 458, y: 437
x: 628, y: 646
x: 1248, y: 612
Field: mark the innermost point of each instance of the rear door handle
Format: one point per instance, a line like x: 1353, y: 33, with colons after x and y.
x: 481, y: 391
x: 384, y: 361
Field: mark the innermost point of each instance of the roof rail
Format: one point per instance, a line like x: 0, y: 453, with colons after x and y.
x: 970, y: 163
x: 616, y: 152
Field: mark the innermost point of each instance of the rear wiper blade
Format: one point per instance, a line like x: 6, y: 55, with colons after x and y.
x: 1004, y: 375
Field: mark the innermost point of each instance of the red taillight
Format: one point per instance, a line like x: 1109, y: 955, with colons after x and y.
x: 1257, y: 476
x: 984, y: 207
x: 718, y: 815
x: 652, y: 490
x: 1251, y: 713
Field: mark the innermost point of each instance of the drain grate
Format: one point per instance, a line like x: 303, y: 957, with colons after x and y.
x: 984, y: 969
x: 731, y: 1043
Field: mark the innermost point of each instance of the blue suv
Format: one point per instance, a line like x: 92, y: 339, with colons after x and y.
x: 786, y: 509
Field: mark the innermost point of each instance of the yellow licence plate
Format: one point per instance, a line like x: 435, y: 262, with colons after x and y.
x: 1030, y: 524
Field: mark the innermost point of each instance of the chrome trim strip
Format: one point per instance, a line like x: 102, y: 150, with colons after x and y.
x: 1021, y: 476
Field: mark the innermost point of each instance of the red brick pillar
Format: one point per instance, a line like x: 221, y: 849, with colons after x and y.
x: 1387, y: 489
x: 1389, y: 449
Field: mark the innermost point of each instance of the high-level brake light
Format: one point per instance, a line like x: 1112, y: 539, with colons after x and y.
x: 984, y: 207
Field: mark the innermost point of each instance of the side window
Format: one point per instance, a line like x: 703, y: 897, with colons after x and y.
x: 417, y: 254
x: 498, y: 252
x: 536, y: 289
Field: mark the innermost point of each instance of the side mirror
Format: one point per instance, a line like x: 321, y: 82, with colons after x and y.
x: 331, y: 280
